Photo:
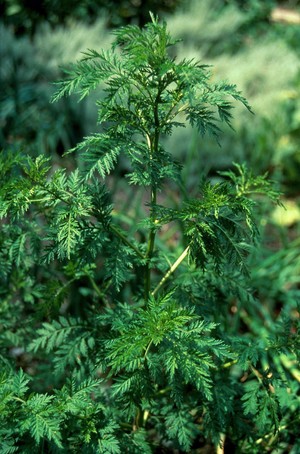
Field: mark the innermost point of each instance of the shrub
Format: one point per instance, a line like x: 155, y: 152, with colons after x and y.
x: 128, y: 331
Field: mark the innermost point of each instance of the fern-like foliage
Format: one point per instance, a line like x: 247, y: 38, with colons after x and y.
x: 146, y: 94
x: 166, y: 345
x: 219, y: 225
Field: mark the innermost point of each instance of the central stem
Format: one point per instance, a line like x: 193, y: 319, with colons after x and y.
x: 150, y: 248
x: 153, y: 144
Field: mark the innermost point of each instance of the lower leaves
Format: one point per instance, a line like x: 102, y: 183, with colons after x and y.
x: 162, y: 377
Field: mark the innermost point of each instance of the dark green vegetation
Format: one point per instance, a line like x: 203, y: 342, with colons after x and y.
x: 26, y: 16
x: 136, y: 315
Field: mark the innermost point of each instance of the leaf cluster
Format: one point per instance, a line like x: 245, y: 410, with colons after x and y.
x: 146, y: 94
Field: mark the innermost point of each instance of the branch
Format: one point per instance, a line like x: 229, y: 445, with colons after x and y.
x: 171, y: 270
x: 125, y: 240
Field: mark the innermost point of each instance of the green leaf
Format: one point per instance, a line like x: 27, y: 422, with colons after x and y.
x: 180, y: 427
x: 41, y: 419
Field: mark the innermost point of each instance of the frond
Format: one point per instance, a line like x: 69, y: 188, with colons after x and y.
x: 75, y: 353
x: 100, y: 153
x: 261, y: 404
x: 41, y: 419
x: 20, y: 383
x: 68, y: 233
x: 8, y: 445
x: 246, y: 183
x: 144, y: 47
x: 74, y: 397
x: 181, y: 428
x: 88, y: 73
x: 204, y: 119
x: 52, y: 335
x: 118, y: 264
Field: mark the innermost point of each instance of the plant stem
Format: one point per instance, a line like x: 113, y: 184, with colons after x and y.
x: 18, y: 399
x: 290, y: 366
x: 99, y: 292
x: 171, y: 270
x: 220, y: 447
x: 150, y: 248
x: 147, y: 349
x: 125, y: 240
x: 153, y: 145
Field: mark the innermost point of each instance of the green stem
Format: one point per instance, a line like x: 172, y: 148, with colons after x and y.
x: 153, y: 145
x: 229, y: 364
x: 150, y: 248
x: 271, y: 435
x: 147, y: 349
x: 98, y: 291
x: 171, y: 270
x: 18, y: 399
x: 138, y: 421
x: 125, y: 240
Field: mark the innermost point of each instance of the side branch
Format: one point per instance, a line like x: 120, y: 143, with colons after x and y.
x: 125, y: 240
x: 171, y: 270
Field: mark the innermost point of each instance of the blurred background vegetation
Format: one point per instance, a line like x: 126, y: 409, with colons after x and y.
x: 252, y: 43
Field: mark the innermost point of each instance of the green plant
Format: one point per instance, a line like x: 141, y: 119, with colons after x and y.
x: 137, y: 341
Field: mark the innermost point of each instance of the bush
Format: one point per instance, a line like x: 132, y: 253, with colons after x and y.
x: 136, y: 330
